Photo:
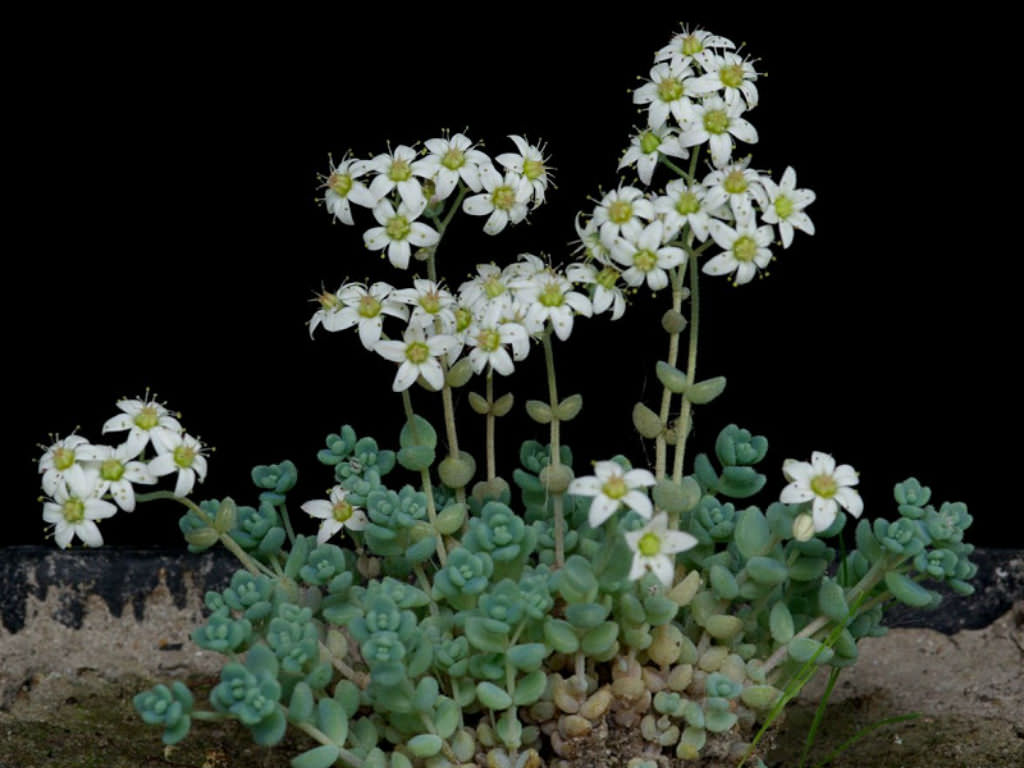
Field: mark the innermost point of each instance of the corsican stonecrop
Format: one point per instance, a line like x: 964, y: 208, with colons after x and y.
x: 440, y: 616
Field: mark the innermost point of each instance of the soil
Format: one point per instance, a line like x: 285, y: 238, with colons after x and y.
x: 65, y: 693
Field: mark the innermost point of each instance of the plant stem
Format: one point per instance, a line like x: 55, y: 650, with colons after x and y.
x: 428, y: 488
x: 489, y: 421
x: 251, y: 565
x: 556, y: 461
x: 660, y: 447
x: 683, y: 425
x: 862, y: 587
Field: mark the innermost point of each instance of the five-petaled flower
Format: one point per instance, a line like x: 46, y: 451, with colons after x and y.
x: 335, y: 514
x: 182, y: 454
x: 824, y: 484
x: 654, y: 546
x: 612, y: 486
x: 76, y: 505
x: 418, y: 355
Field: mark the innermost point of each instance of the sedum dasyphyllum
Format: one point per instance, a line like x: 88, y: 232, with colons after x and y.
x: 440, y: 615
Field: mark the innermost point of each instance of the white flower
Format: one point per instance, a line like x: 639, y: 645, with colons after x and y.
x: 786, y: 207
x: 432, y: 306
x: 343, y: 188
x: 653, y: 549
x: 396, y: 231
x: 549, y: 296
x: 647, y: 146
x: 746, y: 249
x: 398, y: 169
x: 329, y: 313
x: 531, y: 164
x: 823, y: 483
x: 504, y: 202
x: 147, y: 421
x: 590, y: 240
x: 117, y: 472
x: 622, y: 212
x: 689, y: 46
x: 76, y: 506
x: 683, y: 204
x: 337, y: 513
x: 488, y: 337
x: 418, y: 357
x: 667, y: 92
x: 716, y: 122
x: 730, y: 72
x: 490, y: 286
x: 737, y: 185
x: 58, y: 459
x: 645, y: 258
x: 607, y: 294
x: 182, y: 454
x: 612, y: 486
x: 366, y: 308
x: 453, y: 159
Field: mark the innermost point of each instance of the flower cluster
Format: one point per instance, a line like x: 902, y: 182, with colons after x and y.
x: 401, y: 187
x: 697, y: 95
x: 489, y: 320
x: 88, y: 482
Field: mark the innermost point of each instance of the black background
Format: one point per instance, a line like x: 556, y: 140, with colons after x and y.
x: 172, y: 237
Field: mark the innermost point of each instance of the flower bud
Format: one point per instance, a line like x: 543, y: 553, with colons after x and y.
x: 803, y: 527
x: 673, y: 321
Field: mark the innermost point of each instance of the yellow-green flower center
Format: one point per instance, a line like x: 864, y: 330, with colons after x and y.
x: 607, y: 277
x: 670, y: 89
x: 341, y: 511
x: 73, y: 510
x: 649, y: 545
x: 493, y: 287
x: 649, y: 142
x: 692, y: 45
x: 615, y: 487
x: 489, y: 340
x: 745, y: 248
x: 731, y: 75
x: 147, y: 418
x: 551, y: 296
x: 784, y: 207
x: 620, y: 212
x: 329, y: 301
x: 431, y: 303
x: 398, y: 228
x: 533, y: 169
x: 112, y: 470
x: 417, y: 353
x: 824, y: 486
x: 63, y: 458
x: 368, y: 306
x: 184, y: 455
x: 687, y: 203
x: 735, y: 182
x: 716, y: 121
x: 645, y: 260
x: 340, y: 183
x: 453, y: 159
x: 463, y: 319
x: 503, y: 197
x: 400, y: 170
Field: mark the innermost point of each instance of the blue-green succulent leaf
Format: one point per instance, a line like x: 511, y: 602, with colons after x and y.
x: 907, y: 590
x: 529, y: 688
x: 323, y: 756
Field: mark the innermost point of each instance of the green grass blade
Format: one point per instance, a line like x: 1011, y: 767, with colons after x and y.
x: 866, y: 730
x: 819, y: 715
